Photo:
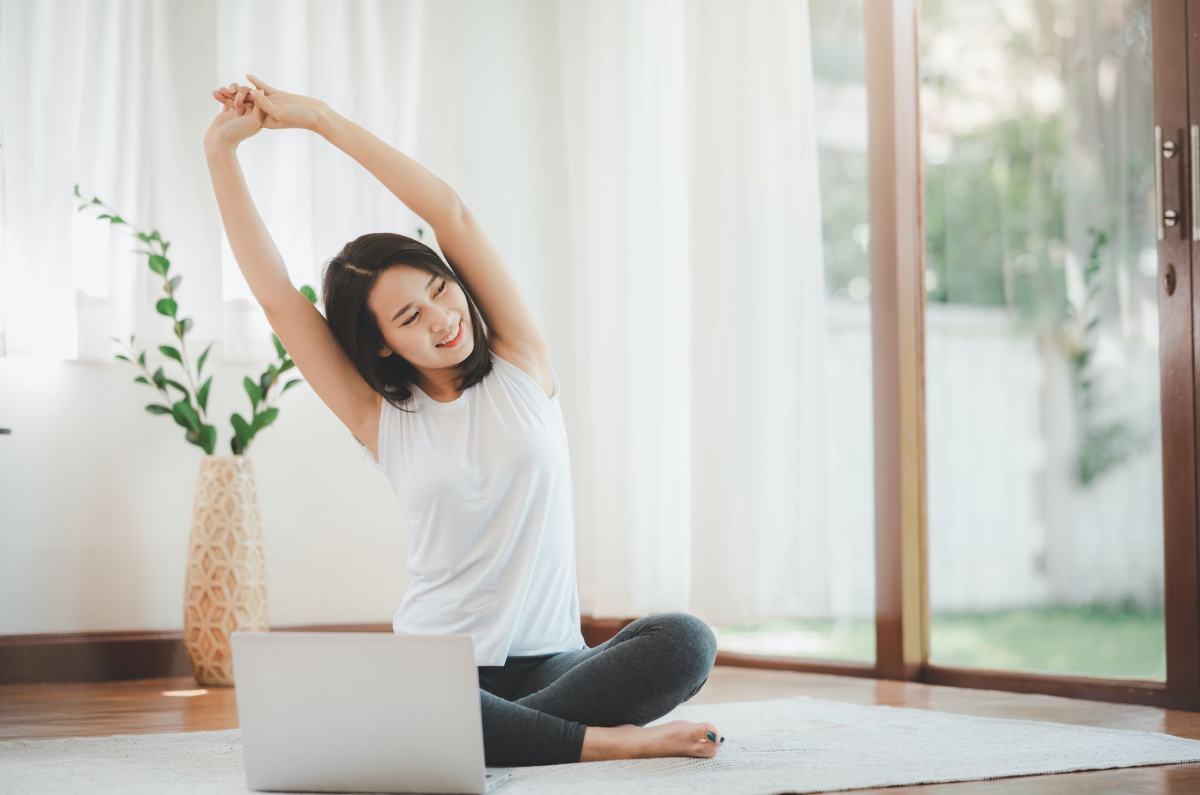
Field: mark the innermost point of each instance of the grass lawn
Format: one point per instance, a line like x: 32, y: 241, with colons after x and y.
x: 1124, y: 641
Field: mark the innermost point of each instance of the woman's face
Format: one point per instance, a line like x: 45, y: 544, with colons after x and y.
x: 416, y: 310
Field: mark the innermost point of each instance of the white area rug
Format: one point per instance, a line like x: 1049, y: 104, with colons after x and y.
x: 790, y: 745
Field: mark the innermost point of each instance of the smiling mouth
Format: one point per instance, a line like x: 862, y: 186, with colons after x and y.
x: 453, y: 339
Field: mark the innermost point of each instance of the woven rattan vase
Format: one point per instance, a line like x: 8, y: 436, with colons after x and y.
x: 226, y: 587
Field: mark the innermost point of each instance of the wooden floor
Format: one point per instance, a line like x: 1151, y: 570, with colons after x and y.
x: 148, y: 706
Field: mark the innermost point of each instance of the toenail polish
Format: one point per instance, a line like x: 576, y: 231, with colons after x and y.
x: 712, y: 738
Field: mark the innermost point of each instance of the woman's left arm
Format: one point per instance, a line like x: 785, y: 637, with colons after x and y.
x: 426, y: 194
x: 459, y: 235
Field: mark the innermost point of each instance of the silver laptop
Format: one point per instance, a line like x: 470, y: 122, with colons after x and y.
x: 361, y: 712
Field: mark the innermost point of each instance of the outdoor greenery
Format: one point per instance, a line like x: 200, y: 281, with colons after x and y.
x: 1034, y: 204
x: 1120, y: 641
x: 997, y: 191
x: 189, y: 408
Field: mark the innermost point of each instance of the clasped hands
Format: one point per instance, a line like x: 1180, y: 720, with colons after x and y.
x: 250, y: 108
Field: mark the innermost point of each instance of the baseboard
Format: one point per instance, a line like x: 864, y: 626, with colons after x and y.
x: 122, y: 656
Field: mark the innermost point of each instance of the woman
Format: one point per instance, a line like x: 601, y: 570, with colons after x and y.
x: 466, y: 424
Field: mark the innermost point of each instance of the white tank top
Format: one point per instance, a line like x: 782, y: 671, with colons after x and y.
x: 485, y: 484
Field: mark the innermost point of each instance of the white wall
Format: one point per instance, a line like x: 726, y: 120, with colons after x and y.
x: 96, y: 499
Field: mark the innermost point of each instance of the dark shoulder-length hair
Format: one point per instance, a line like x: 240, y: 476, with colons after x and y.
x: 348, y: 278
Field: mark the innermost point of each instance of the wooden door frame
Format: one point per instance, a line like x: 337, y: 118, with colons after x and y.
x: 897, y: 330
x: 897, y: 339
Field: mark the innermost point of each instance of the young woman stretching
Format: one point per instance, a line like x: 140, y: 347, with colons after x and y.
x: 465, y: 422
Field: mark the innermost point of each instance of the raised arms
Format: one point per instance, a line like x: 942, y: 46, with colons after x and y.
x: 511, y: 325
x: 253, y: 248
x: 512, y: 329
x: 300, y: 327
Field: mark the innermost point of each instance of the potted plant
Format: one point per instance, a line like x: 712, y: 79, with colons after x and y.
x: 226, y: 583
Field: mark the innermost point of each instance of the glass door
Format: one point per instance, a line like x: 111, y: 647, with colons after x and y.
x: 1058, y: 338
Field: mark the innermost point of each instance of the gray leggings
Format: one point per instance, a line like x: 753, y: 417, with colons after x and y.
x: 536, y: 709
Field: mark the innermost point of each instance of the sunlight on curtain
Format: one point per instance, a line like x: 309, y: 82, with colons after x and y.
x: 115, y: 97
x: 842, y: 627
x: 717, y: 483
x: 682, y: 199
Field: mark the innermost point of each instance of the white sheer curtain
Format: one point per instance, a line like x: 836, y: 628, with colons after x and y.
x: 696, y: 237
x: 648, y: 169
x: 110, y: 95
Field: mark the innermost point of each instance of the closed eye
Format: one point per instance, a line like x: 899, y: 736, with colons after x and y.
x: 414, y: 317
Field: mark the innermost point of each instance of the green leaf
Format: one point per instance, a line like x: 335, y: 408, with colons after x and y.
x: 174, y: 282
x: 103, y: 216
x: 159, y: 378
x: 182, y: 421
x: 253, y: 391
x: 143, y: 237
x: 243, y: 431
x: 309, y: 294
x: 291, y: 383
x: 279, y: 347
x: 192, y: 437
x: 140, y: 380
x: 203, y: 356
x: 167, y: 350
x: 264, y: 382
x: 124, y: 358
x: 165, y: 246
x: 183, y: 326
x: 265, y: 419
x: 288, y: 365
x: 154, y: 408
x: 208, y: 435
x: 188, y: 413
x: 96, y: 200
x: 142, y: 359
x: 180, y: 387
x: 116, y: 219
x: 202, y: 395
x: 159, y: 264
x: 166, y: 306
x: 154, y: 236
x: 234, y: 446
x: 77, y: 190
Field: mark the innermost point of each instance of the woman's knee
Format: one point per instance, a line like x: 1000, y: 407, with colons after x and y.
x: 697, y: 633
x: 695, y: 645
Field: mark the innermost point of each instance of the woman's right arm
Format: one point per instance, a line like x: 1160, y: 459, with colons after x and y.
x: 302, y: 329
x: 256, y: 254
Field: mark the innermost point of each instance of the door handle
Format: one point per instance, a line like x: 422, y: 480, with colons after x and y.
x: 1165, y: 218
x: 1195, y: 167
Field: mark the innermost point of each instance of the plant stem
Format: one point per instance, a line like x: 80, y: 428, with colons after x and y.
x: 187, y: 370
x: 149, y: 377
x: 202, y: 414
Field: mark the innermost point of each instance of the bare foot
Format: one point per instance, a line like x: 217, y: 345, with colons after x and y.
x: 629, y: 741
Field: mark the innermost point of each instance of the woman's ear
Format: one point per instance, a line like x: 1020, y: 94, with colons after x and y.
x: 385, y: 351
